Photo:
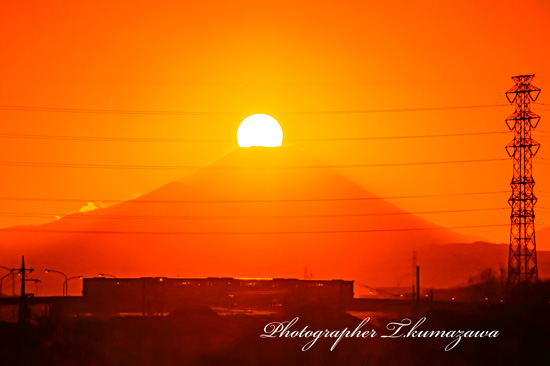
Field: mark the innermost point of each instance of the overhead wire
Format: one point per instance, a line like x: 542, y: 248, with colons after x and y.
x: 228, y: 167
x: 53, y: 231
x: 180, y: 140
x: 149, y: 201
x: 88, y: 215
x: 196, y: 113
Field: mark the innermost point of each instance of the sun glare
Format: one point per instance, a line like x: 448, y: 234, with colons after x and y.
x: 260, y: 130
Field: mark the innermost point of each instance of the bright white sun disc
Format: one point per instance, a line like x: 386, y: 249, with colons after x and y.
x: 260, y: 130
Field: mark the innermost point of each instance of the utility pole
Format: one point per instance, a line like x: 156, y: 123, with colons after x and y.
x: 418, y: 284
x: 414, y: 269
x: 23, y: 310
x: 522, y: 256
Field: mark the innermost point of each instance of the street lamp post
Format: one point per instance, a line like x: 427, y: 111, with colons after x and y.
x: 36, y: 281
x: 12, y: 278
x: 2, y: 281
x: 67, y: 283
x: 64, y: 282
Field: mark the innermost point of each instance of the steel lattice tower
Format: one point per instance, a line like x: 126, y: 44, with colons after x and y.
x: 522, y: 257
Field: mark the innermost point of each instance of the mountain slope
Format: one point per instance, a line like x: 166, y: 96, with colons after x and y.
x: 215, y: 247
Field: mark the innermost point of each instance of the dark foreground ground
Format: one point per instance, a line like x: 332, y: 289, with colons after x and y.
x: 196, y: 335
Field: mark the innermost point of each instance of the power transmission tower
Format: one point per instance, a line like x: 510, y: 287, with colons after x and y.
x: 522, y: 257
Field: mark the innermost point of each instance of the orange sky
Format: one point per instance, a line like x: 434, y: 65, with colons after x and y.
x: 232, y: 59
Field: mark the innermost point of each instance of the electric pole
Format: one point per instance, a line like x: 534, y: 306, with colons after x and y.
x: 417, y: 284
x: 414, y: 269
x: 522, y: 256
x: 23, y: 310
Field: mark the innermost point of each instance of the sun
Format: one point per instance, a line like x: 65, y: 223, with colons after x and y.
x: 260, y: 130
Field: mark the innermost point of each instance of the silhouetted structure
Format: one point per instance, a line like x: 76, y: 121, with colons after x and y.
x: 160, y: 295
x: 522, y: 258
x: 24, y: 312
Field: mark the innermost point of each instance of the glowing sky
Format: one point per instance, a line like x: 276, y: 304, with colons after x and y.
x: 291, y: 60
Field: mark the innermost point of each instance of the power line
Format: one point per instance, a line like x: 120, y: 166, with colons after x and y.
x: 54, y: 231
x: 401, y: 110
x: 188, y: 113
x: 186, y: 217
x: 217, y: 168
x: 80, y: 200
x: 399, y: 137
x: 174, y: 140
x: 106, y: 138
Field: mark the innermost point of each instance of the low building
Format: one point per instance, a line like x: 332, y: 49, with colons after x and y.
x: 160, y: 295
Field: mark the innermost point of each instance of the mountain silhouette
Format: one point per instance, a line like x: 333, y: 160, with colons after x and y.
x: 253, y: 213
